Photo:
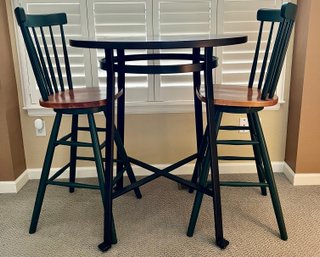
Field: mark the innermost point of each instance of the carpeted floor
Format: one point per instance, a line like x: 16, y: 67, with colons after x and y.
x: 71, y: 224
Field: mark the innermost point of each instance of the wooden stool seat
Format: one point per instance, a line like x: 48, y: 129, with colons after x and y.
x: 77, y: 98
x: 237, y: 96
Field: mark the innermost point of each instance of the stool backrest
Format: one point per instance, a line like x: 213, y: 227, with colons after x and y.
x: 285, y: 18
x: 43, y: 35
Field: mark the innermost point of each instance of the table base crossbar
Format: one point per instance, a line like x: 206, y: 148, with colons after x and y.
x: 164, y: 173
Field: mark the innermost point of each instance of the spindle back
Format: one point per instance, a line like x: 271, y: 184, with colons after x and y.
x: 271, y: 67
x: 44, y: 37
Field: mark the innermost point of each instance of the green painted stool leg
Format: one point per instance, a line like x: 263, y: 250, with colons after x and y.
x: 45, y: 174
x: 124, y: 157
x: 73, y: 151
x: 194, y: 178
x: 203, y: 178
x: 257, y: 155
x: 270, y: 179
x: 99, y: 164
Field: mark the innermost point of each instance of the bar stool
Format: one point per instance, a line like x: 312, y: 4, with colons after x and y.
x: 249, y: 100
x: 43, y: 43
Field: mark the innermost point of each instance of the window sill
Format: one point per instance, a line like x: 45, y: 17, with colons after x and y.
x: 142, y: 108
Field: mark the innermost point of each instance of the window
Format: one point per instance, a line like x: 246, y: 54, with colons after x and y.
x: 142, y: 18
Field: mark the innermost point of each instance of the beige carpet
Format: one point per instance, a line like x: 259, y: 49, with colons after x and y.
x: 71, y: 224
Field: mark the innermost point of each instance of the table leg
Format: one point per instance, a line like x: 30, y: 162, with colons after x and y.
x: 109, y: 151
x: 120, y: 114
x: 197, y: 112
x: 220, y: 241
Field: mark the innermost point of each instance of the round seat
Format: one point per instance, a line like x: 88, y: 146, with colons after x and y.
x: 238, y: 96
x: 77, y: 98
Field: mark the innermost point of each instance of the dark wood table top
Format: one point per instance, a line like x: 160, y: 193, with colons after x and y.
x: 161, y: 42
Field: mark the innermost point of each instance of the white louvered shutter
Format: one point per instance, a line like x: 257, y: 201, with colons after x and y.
x: 121, y: 19
x: 76, y: 27
x: 141, y: 19
x: 174, y: 17
x: 239, y: 16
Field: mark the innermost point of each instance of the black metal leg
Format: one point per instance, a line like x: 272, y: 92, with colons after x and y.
x: 197, y: 112
x: 220, y: 241
x: 73, y: 151
x: 270, y: 178
x: 120, y: 112
x: 203, y: 178
x: 200, y: 159
x: 204, y: 162
x: 120, y: 122
x: 125, y: 163
x: 257, y: 155
x: 107, y: 231
x: 99, y: 164
x: 122, y: 153
x: 215, y: 177
x: 45, y: 174
x: 212, y: 137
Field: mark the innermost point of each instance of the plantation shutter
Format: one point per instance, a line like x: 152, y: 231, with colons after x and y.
x: 121, y: 19
x: 174, y: 17
x: 239, y: 16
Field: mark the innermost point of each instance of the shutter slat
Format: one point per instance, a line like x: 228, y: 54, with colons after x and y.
x: 174, y: 17
x: 120, y: 19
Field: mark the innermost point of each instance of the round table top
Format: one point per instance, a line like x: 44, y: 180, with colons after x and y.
x: 161, y: 42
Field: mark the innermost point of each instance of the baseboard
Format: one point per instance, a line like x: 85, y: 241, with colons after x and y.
x: 14, y: 186
x: 302, y: 179
x: 225, y: 168
x: 88, y: 172
x: 288, y: 172
x: 245, y: 168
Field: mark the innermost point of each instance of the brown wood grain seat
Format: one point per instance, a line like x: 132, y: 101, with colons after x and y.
x: 77, y: 98
x: 238, y: 96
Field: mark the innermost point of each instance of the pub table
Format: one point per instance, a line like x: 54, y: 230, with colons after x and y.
x: 199, y: 60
